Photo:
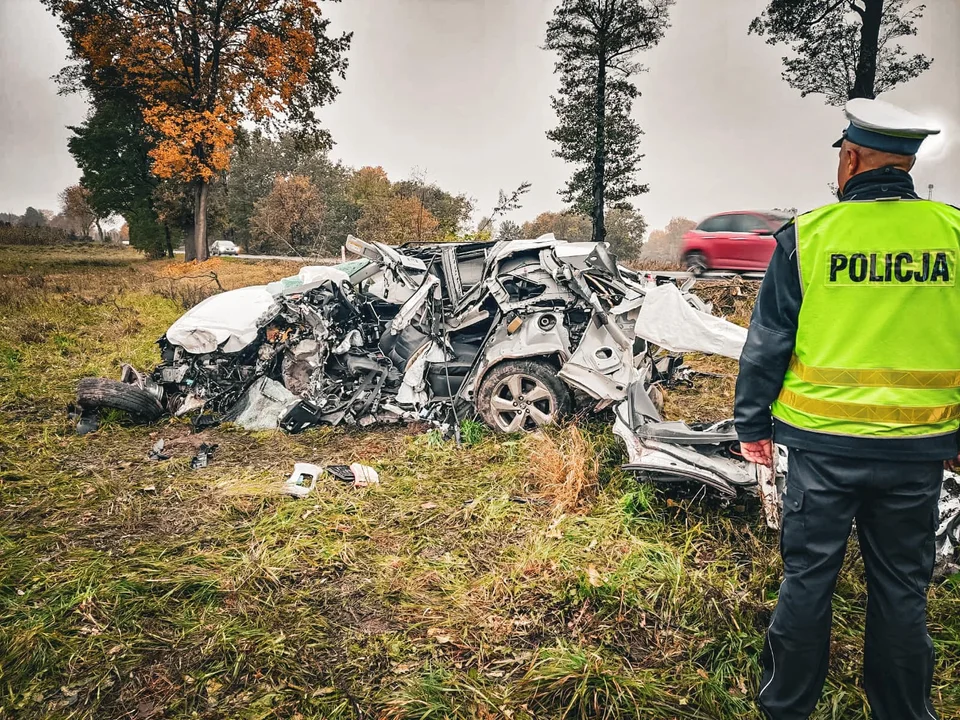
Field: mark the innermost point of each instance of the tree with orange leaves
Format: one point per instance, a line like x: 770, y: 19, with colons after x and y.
x: 199, y: 68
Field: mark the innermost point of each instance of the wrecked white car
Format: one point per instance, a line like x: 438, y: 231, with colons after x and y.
x: 519, y: 333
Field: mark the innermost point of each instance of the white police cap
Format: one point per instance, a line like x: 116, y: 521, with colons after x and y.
x: 881, y: 126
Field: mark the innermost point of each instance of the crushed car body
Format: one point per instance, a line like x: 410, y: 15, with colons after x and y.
x: 519, y: 333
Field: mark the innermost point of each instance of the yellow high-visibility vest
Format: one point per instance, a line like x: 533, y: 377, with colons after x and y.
x: 877, y: 351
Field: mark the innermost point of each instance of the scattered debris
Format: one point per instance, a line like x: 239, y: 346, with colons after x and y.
x: 156, y: 452
x: 305, y: 475
x: 203, y: 456
x: 518, y: 333
x: 303, y: 479
x: 88, y: 423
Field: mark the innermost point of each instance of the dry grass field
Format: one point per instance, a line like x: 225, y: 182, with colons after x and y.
x: 514, y: 577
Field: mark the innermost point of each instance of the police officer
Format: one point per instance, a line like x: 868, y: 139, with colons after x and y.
x: 847, y: 364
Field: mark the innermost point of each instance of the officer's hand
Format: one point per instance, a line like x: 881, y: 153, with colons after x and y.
x: 760, y: 452
x: 952, y: 465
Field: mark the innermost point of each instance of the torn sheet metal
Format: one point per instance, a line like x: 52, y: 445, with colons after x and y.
x: 262, y: 406
x: 667, y: 319
x: 413, y: 390
x: 948, y: 528
x: 770, y: 501
x: 414, y: 305
x: 599, y: 367
x: 541, y: 334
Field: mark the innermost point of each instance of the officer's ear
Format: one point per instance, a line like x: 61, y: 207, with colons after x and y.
x: 850, y: 163
x: 853, y: 160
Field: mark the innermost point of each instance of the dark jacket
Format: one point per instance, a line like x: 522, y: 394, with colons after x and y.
x: 770, y: 344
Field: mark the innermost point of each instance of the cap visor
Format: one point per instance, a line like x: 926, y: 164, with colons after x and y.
x: 838, y: 143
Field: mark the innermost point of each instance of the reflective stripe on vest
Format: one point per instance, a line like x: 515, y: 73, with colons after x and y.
x: 876, y: 353
x: 870, y: 413
x: 875, y: 377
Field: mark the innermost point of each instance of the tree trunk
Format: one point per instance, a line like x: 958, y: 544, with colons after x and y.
x: 190, y: 245
x: 166, y: 231
x: 600, y: 151
x: 865, y: 82
x: 200, y: 251
x: 99, y: 229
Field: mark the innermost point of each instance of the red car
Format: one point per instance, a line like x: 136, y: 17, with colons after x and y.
x: 733, y: 241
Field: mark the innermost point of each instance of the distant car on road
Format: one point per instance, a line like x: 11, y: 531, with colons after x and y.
x: 740, y: 241
x: 224, y: 247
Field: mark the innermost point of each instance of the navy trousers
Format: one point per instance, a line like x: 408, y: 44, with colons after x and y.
x: 895, y: 506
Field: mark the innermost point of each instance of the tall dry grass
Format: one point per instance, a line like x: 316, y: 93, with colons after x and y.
x: 564, y: 467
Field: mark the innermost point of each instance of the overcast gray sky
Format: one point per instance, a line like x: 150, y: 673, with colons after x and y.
x: 460, y: 89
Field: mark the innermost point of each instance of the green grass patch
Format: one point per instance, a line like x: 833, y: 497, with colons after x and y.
x: 457, y: 588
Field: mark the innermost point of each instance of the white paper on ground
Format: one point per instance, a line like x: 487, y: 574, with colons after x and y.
x: 231, y: 319
x: 667, y: 320
x: 364, y: 475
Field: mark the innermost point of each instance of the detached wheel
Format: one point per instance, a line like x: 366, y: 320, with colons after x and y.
x: 95, y: 393
x: 522, y: 394
x: 696, y: 263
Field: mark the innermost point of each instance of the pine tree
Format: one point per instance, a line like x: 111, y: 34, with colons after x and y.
x: 597, y: 42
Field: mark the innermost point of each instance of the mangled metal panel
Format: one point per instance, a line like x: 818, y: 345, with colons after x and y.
x: 600, y: 366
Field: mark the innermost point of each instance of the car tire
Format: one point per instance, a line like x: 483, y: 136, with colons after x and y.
x: 696, y: 263
x: 95, y: 393
x: 504, y: 398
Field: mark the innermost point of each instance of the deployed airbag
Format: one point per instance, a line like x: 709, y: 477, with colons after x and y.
x: 230, y: 319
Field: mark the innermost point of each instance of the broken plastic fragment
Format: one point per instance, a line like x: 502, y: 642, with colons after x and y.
x: 156, y: 452
x: 89, y: 422
x: 341, y: 472
x: 202, y: 458
x: 302, y: 480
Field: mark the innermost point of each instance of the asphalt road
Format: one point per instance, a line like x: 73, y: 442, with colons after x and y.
x: 287, y: 258
x: 715, y: 275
